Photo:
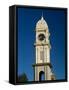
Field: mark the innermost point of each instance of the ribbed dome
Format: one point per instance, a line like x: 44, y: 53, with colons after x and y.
x: 41, y: 24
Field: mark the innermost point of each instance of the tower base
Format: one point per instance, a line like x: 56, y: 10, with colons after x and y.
x: 44, y: 69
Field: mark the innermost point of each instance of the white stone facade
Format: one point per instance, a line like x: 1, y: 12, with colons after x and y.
x: 42, y: 50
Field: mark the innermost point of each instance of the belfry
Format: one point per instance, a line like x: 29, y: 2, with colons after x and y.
x: 42, y: 66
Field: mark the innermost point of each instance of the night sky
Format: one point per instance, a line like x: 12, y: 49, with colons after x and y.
x: 27, y: 19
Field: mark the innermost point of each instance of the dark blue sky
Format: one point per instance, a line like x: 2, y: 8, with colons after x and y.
x: 27, y: 19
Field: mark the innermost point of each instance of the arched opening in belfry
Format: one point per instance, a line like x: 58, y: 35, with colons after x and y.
x: 41, y: 76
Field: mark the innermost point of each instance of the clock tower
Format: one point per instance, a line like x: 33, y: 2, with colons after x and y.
x: 42, y: 66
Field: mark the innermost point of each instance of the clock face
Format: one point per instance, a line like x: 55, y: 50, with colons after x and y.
x: 41, y: 37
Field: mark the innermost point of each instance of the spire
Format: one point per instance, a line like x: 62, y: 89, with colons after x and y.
x: 42, y: 16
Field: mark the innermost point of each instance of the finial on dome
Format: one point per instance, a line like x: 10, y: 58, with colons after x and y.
x: 42, y: 16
